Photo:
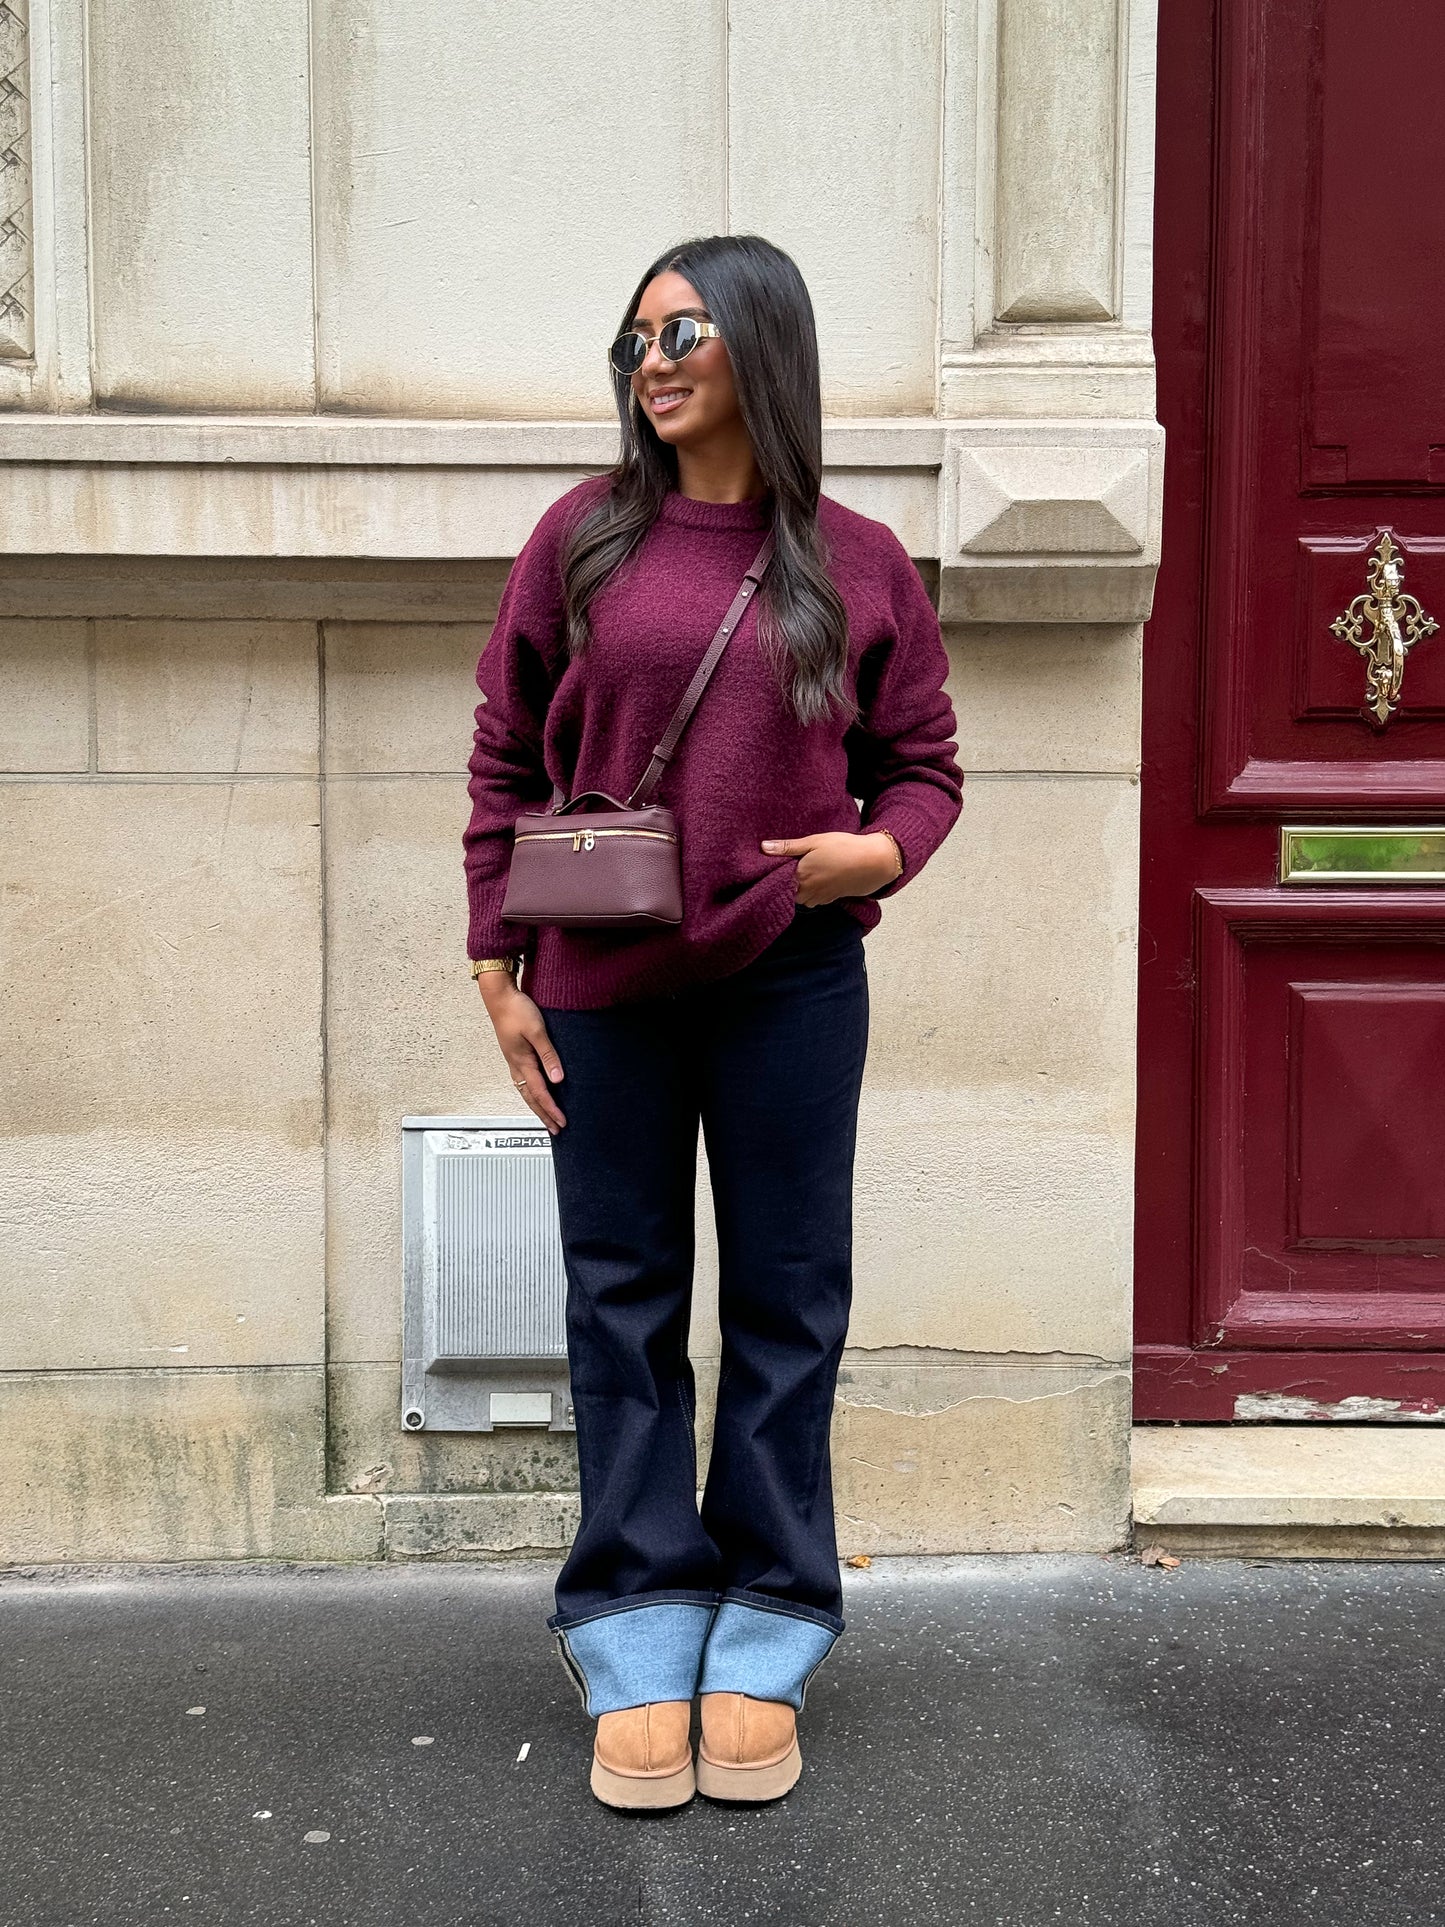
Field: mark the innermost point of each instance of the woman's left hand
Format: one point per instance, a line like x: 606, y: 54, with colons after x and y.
x: 837, y: 863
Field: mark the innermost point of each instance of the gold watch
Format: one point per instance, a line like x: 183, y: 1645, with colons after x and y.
x: 509, y: 964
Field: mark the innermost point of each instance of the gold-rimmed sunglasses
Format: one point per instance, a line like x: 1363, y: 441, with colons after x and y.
x: 676, y: 339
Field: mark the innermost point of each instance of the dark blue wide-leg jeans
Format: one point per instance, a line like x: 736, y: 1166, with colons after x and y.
x: 658, y: 1600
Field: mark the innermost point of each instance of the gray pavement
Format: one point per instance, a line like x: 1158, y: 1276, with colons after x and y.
x: 1002, y: 1740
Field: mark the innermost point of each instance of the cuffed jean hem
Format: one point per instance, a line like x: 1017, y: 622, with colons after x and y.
x: 670, y: 1647
x: 636, y: 1653
x: 765, y: 1649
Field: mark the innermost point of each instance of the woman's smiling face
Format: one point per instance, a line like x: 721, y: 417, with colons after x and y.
x: 688, y: 401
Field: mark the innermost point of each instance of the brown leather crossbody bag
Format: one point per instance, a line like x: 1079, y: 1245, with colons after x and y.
x: 594, y: 862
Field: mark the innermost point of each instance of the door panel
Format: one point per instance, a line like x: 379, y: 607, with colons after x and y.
x: 1321, y: 1124
x: 1365, y: 1118
x: 1376, y: 404
x: 1290, y: 1251
x: 1325, y: 333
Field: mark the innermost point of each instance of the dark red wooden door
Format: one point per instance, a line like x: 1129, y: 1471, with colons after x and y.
x: 1291, y: 1165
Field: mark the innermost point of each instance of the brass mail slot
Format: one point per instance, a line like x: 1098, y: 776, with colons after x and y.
x: 1358, y: 853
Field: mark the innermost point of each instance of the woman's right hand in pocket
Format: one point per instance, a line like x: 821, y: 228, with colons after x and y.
x: 532, y: 1063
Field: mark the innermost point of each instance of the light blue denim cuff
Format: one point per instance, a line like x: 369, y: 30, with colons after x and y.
x: 767, y: 1655
x: 637, y: 1655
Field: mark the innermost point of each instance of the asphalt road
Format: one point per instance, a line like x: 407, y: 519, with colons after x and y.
x: 1012, y: 1741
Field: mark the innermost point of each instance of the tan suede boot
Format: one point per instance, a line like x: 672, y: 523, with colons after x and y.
x: 749, y: 1748
x: 642, y: 1756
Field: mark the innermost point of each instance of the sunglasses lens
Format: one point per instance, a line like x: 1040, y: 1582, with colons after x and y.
x: 628, y: 353
x: 678, y: 338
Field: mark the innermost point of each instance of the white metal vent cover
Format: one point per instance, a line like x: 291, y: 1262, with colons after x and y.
x: 484, y: 1292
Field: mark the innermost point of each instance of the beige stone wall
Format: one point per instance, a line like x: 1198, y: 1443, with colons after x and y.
x: 273, y: 418
x: 232, y: 937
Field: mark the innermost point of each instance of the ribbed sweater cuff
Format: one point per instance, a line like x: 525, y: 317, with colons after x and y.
x: 917, y: 836
x: 489, y: 936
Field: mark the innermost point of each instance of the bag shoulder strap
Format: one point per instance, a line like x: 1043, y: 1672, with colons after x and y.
x: 682, y: 715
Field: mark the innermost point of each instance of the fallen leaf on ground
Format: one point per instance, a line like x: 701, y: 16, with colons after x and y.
x: 861, y: 1560
x: 1157, y: 1556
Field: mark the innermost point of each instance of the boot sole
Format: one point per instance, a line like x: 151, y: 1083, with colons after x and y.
x: 716, y: 1781
x: 633, y: 1790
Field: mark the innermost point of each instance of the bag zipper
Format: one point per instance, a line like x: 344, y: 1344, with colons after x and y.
x: 583, y: 839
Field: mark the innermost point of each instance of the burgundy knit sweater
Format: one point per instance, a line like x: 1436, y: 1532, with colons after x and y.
x: 746, y: 769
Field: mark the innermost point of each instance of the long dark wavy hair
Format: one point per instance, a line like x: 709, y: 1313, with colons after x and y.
x: 757, y: 297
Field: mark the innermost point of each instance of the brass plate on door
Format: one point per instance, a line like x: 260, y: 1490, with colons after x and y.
x: 1358, y: 853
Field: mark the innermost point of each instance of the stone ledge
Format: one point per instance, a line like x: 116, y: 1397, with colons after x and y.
x: 1290, y: 1487
x: 1297, y: 1542
x: 1031, y: 520
x: 478, y: 1525
x: 394, y: 441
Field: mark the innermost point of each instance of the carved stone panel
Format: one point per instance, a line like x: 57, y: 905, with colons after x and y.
x: 1058, y: 158
x: 17, y: 304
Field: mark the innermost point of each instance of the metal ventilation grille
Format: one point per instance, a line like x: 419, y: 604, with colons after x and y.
x: 500, y: 1289
x: 484, y: 1290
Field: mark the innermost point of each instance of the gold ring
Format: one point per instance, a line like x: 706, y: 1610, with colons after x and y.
x: 520, y: 1083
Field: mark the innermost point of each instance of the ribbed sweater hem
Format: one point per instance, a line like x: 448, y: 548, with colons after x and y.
x: 559, y: 982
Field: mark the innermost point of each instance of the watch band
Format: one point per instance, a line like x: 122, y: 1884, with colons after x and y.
x: 509, y: 964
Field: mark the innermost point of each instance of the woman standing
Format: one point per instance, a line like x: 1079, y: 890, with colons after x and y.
x: 749, y: 1018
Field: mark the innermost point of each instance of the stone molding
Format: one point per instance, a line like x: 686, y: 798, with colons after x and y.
x: 1058, y: 159
x: 1050, y: 521
x: 1047, y: 236
x: 1037, y: 521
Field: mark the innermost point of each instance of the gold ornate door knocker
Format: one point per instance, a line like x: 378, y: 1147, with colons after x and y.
x: 1396, y: 623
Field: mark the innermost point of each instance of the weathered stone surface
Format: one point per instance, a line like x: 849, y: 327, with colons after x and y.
x: 200, y: 203
x: 163, y: 938
x: 176, y: 695
x: 1062, y: 501
x: 475, y: 193
x: 367, y: 1450
x: 1057, y: 151
x: 1308, y: 1476
x: 407, y: 1033
x: 1297, y: 1541
x: 44, y: 695
x: 864, y: 231
x: 1050, y: 521
x: 160, y: 1033
x: 1054, y: 697
x: 908, y: 473
x: 172, y: 1465
x: 128, y: 1247
x: 474, y: 1525
x: 400, y: 696
x: 994, y: 1177
x: 229, y: 587
x: 1045, y: 1472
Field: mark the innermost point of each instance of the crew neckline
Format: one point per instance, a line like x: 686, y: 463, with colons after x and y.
x: 689, y: 512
